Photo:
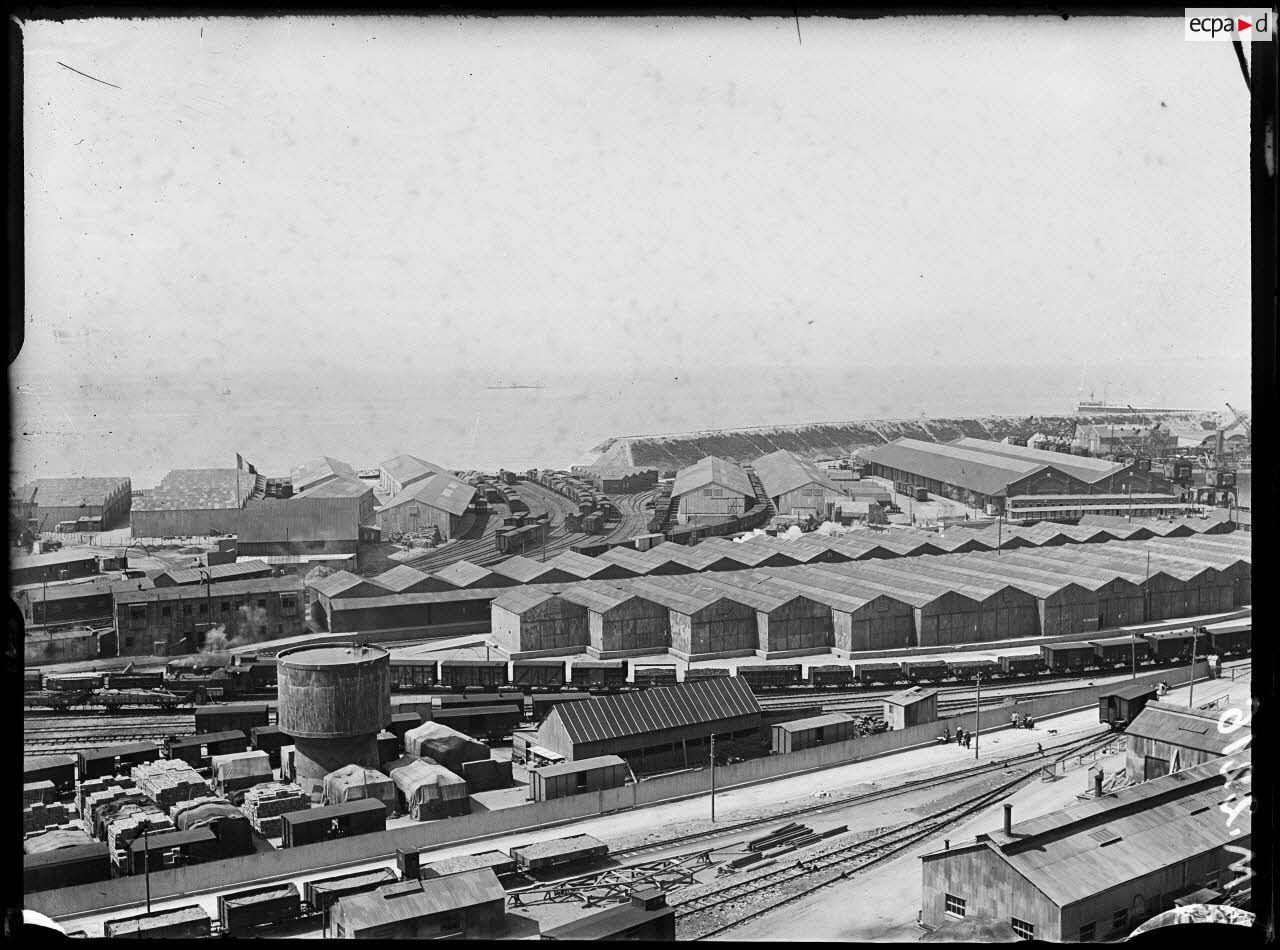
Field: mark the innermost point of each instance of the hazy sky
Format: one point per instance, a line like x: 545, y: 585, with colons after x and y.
x: 307, y: 197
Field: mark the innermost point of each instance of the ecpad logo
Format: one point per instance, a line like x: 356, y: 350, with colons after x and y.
x: 1219, y: 24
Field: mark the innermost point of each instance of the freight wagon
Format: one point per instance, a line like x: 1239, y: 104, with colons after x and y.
x: 501, y: 697
x: 409, y: 674
x: 925, y: 671
x: 473, y: 674
x: 482, y: 722
x: 1120, y: 652
x: 1174, y: 646
x: 538, y: 674
x: 322, y: 892
x: 32, y: 681
x: 1021, y: 664
x: 232, y: 716
x: 967, y: 671
x: 241, y: 912
x: 150, y: 680
x: 831, y: 676
x: 547, y: 854
x: 872, y: 673
x: 693, y: 675
x: 74, y: 682
x: 771, y: 677
x: 599, y: 675
x: 1231, y: 639
x: 180, y: 923
x: 646, y: 676
x: 1062, y: 657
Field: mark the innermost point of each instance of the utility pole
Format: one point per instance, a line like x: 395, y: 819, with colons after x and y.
x: 713, y: 777
x: 1191, y: 694
x: 999, y: 531
x: 208, y: 598
x: 146, y: 859
x: 977, y: 716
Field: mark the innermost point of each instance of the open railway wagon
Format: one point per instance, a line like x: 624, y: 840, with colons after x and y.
x: 538, y: 674
x: 243, y: 717
x: 414, y: 674
x: 599, y: 676
x: 765, y: 677
x: 968, y: 671
x: 151, y: 679
x: 473, y: 674
x: 559, y: 852
x: 1020, y: 664
x: 1120, y: 652
x: 1234, y: 638
x: 512, y: 697
x: 831, y: 676
x: 179, y: 923
x: 323, y: 892
x: 925, y: 671
x: 697, y: 674
x: 243, y: 913
x: 74, y: 682
x: 878, y: 673
x: 646, y: 676
x: 1065, y: 657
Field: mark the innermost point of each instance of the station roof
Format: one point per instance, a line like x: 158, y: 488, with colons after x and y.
x: 272, y: 520
x: 442, y: 492
x: 251, y: 585
x: 654, y: 710
x: 782, y: 471
x: 712, y: 471
x: 73, y: 492
x: 402, y: 577
x: 578, y: 564
x: 1082, y: 467
x: 1074, y: 853
x: 216, y: 572
x: 409, y: 468
x: 981, y: 472
x: 50, y: 559
x: 1190, y: 728
x: 198, y: 489
x: 629, y: 558
x: 318, y: 469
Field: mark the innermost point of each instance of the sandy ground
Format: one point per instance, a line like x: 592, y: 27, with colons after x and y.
x: 883, y: 906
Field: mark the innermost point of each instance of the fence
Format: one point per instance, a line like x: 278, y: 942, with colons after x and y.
x: 334, y: 855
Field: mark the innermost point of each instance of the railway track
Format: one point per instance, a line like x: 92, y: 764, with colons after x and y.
x: 730, y: 904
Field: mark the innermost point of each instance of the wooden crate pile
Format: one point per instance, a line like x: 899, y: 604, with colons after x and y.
x: 101, y: 807
x: 41, y: 815
x: 127, y: 828
x: 169, y: 781
x: 264, y: 804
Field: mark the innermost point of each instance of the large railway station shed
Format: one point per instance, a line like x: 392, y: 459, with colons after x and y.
x: 711, y: 489
x: 439, y: 500
x: 703, y: 620
x: 95, y: 503
x: 1097, y: 869
x: 1165, y: 738
x: 787, y: 619
x: 538, y: 621
x: 193, y: 502
x: 796, y: 486
x: 397, y: 474
x: 620, y: 619
x: 665, y: 727
x: 983, y: 473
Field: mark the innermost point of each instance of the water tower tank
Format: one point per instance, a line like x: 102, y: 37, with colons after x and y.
x: 333, y: 702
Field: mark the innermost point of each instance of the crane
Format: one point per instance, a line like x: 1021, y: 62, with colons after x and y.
x: 1248, y: 429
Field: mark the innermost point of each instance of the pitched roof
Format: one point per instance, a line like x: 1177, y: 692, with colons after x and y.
x: 252, y: 586
x: 402, y: 577
x: 1189, y: 728
x: 75, y: 492
x: 1074, y: 853
x: 1082, y: 467
x: 528, y: 571
x: 578, y: 564
x: 410, y: 468
x: 981, y: 472
x: 408, y: 900
x: 216, y: 572
x: 342, y: 583
x: 318, y: 469
x: 519, y: 599
x: 464, y: 574
x: 198, y: 489
x: 340, y: 487
x: 271, y: 520
x: 712, y: 471
x: 436, y: 491
x: 667, y: 707
x: 629, y: 558
x: 783, y: 471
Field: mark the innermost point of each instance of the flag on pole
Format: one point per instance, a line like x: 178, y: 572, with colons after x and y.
x: 239, y: 462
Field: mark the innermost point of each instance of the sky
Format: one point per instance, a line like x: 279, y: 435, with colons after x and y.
x: 309, y: 202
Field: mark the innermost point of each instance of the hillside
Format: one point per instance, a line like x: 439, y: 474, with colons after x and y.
x: 834, y: 439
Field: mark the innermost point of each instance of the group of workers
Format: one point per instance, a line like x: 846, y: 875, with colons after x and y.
x: 962, y: 738
x: 1020, y: 721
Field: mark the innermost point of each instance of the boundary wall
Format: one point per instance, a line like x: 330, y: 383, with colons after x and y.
x: 332, y: 856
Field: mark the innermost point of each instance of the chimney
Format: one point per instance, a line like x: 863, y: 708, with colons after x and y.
x: 1008, y: 819
x: 946, y: 844
x: 407, y: 861
x: 1097, y: 783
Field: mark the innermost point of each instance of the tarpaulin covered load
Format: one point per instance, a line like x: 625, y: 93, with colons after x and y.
x: 447, y: 746
x: 58, y: 838
x: 487, y: 774
x: 228, y: 823
x: 240, y: 770
x: 353, y: 782
x: 428, y: 789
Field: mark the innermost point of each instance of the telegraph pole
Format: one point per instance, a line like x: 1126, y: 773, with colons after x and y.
x: 977, y: 716
x: 1191, y: 694
x: 713, y: 777
x: 146, y: 860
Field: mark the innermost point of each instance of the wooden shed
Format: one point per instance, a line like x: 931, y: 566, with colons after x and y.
x: 535, y: 620
x: 1120, y: 706
x: 786, y: 620
x: 578, y: 777
x: 618, y: 619
x: 1164, y: 738
x: 911, y: 707
x: 814, y: 731
x: 704, y: 621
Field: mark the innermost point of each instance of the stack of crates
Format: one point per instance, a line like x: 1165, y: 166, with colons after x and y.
x: 264, y: 804
x: 169, y: 781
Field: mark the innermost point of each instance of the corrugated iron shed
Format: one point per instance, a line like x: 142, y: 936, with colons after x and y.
x: 442, y: 492
x: 408, y: 468
x: 342, y: 486
x: 251, y: 586
x: 277, y: 520
x: 907, y: 697
x: 980, y: 472
x: 712, y: 471
x: 198, y: 489
x: 1190, y: 728
x: 814, y: 722
x: 217, y: 572
x: 1086, y: 469
x: 654, y: 710
x: 782, y: 471
x: 73, y: 492
x: 318, y: 469
x: 517, y: 600
x: 582, y: 765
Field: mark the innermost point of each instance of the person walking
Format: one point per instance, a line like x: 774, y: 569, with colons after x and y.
x: 1039, y: 749
x: 968, y: 739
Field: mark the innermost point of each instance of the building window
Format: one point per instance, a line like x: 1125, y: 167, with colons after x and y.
x: 204, y: 609
x: 262, y: 605
x: 166, y: 611
x: 450, y: 923
x: 138, y: 615
x: 226, y: 606
x: 954, y: 905
x: 1023, y: 929
x: 186, y: 610
x: 1087, y: 931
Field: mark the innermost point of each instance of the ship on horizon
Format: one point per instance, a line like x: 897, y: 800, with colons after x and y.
x: 517, y: 386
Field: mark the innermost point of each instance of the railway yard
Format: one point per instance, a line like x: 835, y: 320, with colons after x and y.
x: 659, y: 794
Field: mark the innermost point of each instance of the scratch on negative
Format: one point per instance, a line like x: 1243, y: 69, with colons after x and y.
x: 87, y: 76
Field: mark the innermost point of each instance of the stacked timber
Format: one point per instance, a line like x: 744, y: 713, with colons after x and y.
x: 124, y: 830
x: 169, y: 781
x: 36, y: 792
x: 101, y: 807
x: 41, y: 815
x: 85, y: 789
x: 264, y: 804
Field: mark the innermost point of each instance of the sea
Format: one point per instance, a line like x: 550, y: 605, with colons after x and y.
x: 64, y: 425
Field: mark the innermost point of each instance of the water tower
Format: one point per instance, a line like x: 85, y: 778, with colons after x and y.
x: 333, y: 702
